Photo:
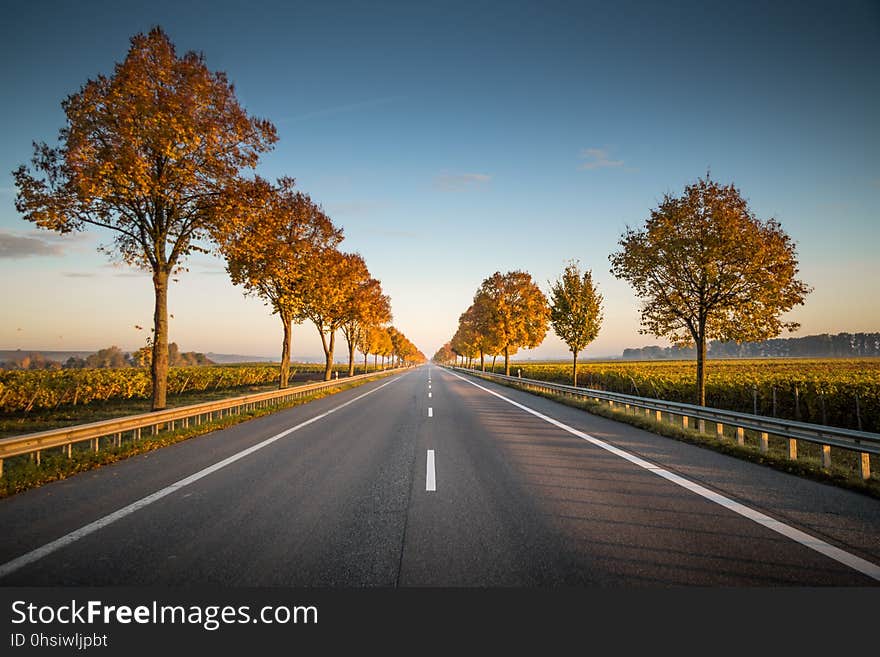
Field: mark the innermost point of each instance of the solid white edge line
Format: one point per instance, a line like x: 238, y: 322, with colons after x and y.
x: 40, y: 552
x: 837, y: 554
x: 430, y: 477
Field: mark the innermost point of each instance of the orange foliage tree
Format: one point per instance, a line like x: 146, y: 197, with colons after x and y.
x: 367, y: 308
x: 146, y: 154
x: 273, y: 246
x: 327, y: 294
x: 707, y: 268
x: 516, y: 311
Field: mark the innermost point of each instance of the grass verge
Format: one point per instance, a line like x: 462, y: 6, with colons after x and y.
x: 21, y: 473
x: 843, y: 471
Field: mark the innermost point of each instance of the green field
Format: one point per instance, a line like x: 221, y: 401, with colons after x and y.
x: 837, y: 392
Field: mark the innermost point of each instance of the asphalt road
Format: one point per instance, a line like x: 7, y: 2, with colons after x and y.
x: 513, y: 499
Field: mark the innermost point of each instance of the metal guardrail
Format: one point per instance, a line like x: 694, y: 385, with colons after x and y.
x: 35, y: 443
x: 862, y: 442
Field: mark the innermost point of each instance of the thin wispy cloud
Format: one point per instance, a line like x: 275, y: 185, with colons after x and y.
x: 457, y: 182
x: 79, y: 274
x: 16, y: 245
x: 341, y: 109
x: 597, y: 158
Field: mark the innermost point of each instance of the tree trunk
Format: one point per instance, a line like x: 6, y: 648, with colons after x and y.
x: 159, y: 367
x: 287, y: 322
x: 494, y: 357
x: 328, y: 352
x: 482, y: 361
x: 701, y: 369
x: 366, y: 365
x: 574, y: 370
x: 375, y: 361
x: 351, y: 358
x: 506, y: 360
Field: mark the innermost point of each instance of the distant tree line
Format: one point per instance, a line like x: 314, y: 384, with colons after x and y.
x: 106, y: 358
x: 840, y: 345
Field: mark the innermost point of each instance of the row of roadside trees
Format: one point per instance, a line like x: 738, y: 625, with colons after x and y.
x: 156, y: 154
x: 704, y: 266
x: 510, y: 312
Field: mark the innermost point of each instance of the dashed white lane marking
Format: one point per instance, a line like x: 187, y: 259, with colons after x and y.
x: 92, y: 527
x: 430, y: 477
x: 429, y: 395
x: 430, y: 412
x: 842, y: 556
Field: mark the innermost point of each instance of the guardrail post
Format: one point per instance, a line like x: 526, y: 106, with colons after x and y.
x: 866, y: 465
x: 658, y: 416
x: 792, y: 449
x: 39, y: 460
x: 763, y: 442
x: 137, y: 433
x: 118, y: 440
x: 701, y: 426
x: 719, y: 430
x: 95, y: 444
x: 826, y: 456
x: 740, y: 436
x: 1, y: 467
x: 684, y: 421
x: 69, y: 450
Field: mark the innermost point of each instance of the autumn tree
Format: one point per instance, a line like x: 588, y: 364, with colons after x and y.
x: 467, y: 338
x: 145, y: 153
x: 707, y: 268
x: 395, y: 338
x: 444, y: 354
x: 575, y: 311
x: 488, y: 339
x: 370, y: 342
x: 407, y: 352
x: 516, y: 309
x: 367, y: 308
x: 386, y: 344
x: 325, y: 297
x: 273, y: 247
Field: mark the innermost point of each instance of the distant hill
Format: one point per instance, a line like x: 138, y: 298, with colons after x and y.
x: 840, y: 345
x: 223, y: 359
x: 60, y: 356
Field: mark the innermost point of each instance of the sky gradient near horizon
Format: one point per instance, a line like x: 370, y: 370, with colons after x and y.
x: 453, y: 140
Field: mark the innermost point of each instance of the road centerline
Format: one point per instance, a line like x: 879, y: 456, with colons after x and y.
x: 863, y: 566
x: 430, y: 475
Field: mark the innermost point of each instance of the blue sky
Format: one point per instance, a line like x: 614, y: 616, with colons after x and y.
x: 450, y: 141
